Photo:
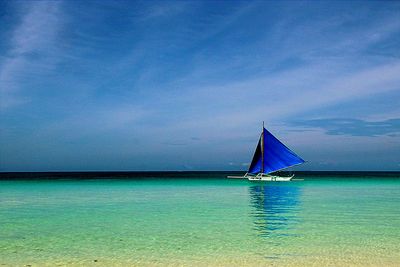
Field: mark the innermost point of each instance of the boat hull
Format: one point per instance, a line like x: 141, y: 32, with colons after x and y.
x: 269, y: 178
x: 263, y: 178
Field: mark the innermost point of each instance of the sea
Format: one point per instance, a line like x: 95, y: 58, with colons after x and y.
x: 199, y: 219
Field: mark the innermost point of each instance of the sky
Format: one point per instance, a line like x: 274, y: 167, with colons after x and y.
x: 185, y: 85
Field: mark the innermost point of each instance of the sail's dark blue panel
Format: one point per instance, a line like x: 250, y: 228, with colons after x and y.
x: 276, y: 155
x: 255, y: 166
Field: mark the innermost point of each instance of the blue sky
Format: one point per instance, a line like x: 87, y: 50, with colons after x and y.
x: 147, y: 85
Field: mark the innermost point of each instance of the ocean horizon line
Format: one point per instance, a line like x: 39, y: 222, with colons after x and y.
x: 82, y: 175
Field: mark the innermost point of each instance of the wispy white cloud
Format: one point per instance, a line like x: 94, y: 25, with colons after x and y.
x: 95, y: 121
x: 164, y: 10
x: 353, y: 127
x: 32, y: 47
x: 238, y: 105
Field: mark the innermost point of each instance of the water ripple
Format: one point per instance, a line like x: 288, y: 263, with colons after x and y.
x: 274, y: 208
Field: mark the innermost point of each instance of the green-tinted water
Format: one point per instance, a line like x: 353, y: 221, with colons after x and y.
x: 336, y: 222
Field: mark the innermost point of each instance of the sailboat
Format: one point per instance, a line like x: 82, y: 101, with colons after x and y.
x: 271, y: 156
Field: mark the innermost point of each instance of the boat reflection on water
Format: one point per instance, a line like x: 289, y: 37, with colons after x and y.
x: 275, y: 208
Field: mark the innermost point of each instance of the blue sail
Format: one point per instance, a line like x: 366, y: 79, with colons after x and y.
x: 255, y: 166
x: 276, y: 156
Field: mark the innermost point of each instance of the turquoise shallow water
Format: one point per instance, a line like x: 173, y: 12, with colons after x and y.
x: 209, y: 222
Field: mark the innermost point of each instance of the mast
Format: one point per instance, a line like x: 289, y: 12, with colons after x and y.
x: 277, y: 157
x: 262, y: 149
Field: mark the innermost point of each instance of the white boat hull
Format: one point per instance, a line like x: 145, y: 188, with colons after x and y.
x: 269, y: 178
x: 263, y: 178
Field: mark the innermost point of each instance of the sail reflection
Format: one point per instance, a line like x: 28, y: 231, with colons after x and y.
x: 275, y: 208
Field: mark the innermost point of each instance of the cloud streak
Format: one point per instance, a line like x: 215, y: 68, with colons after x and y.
x: 242, y: 104
x: 353, y: 127
x: 32, y: 49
